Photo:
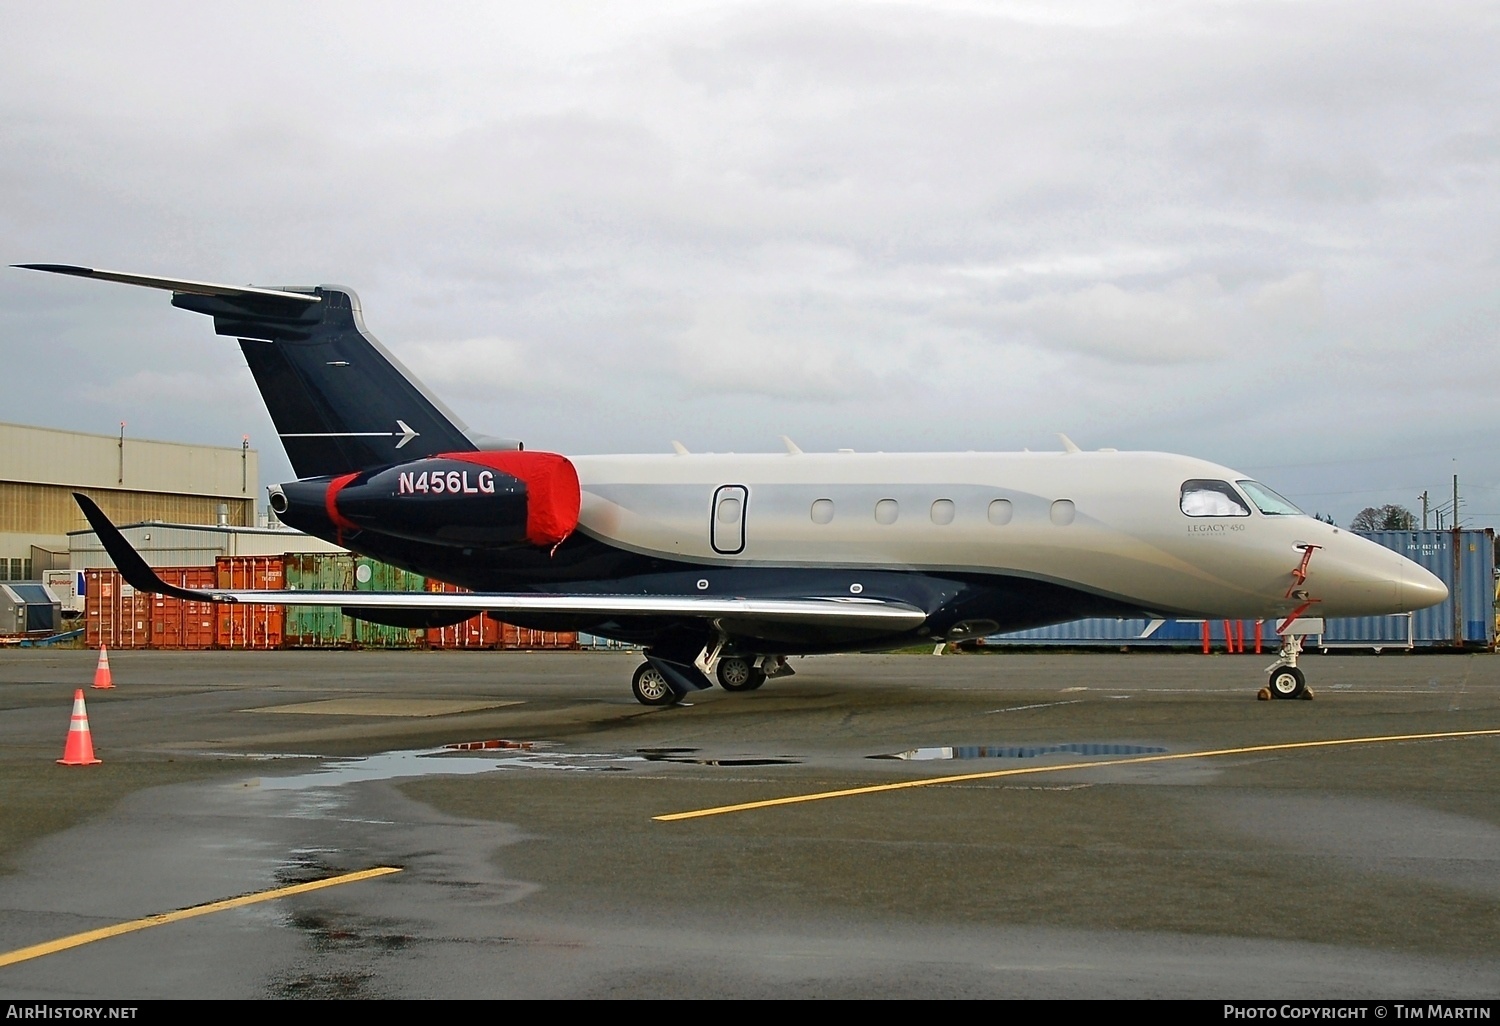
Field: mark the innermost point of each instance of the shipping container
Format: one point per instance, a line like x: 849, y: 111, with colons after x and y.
x: 1465, y: 561
x: 318, y: 626
x: 115, y: 614
x: 183, y: 623
x: 1467, y: 619
x: 530, y: 640
x: 371, y: 575
x: 593, y: 642
x: 482, y: 631
x: 246, y: 625
x: 1108, y: 632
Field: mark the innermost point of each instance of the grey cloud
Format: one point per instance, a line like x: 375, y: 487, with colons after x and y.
x: 880, y: 225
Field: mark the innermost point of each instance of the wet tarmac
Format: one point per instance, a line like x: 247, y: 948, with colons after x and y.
x: 533, y: 862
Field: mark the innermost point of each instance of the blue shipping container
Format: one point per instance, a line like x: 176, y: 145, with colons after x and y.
x: 1468, y: 615
x: 1465, y: 561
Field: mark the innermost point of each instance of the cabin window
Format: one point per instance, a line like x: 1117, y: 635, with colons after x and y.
x: 942, y: 511
x: 886, y: 511
x: 1204, y: 498
x: 729, y: 510
x: 822, y: 511
x: 1062, y: 512
x: 1268, y: 502
x: 1000, y: 511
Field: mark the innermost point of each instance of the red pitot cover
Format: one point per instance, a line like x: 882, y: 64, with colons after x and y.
x: 552, y: 493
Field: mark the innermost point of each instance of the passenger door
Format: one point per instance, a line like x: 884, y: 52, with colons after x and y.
x: 727, y: 527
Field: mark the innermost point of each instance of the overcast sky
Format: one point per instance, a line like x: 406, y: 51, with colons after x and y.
x: 1261, y: 233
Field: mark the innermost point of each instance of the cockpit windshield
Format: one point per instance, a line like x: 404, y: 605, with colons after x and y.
x: 1268, y: 502
x: 1205, y: 498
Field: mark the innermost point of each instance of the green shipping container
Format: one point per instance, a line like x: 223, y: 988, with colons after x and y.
x: 318, y: 626
x: 372, y: 576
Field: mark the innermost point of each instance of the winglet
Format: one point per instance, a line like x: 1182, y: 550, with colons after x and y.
x: 791, y: 446
x: 1068, y: 444
x: 129, y: 562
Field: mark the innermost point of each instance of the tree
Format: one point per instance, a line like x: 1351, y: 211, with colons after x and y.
x: 1389, y: 517
x: 1323, y: 517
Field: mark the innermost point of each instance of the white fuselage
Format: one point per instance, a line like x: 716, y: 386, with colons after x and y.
x: 1105, y: 523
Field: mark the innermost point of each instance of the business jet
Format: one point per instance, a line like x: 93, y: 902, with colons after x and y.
x: 721, y: 566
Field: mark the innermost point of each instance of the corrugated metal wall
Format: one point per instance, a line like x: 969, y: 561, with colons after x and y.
x: 50, y: 509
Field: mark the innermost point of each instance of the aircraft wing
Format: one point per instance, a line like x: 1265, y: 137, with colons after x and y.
x: 832, y: 611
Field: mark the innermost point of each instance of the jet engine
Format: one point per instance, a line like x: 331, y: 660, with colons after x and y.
x: 468, y: 499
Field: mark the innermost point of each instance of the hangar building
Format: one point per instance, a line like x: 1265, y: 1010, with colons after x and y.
x: 131, y: 479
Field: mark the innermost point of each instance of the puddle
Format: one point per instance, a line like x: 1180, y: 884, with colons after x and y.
x: 1017, y: 751
x: 477, y: 746
x: 685, y: 755
x: 441, y: 762
x: 488, y: 756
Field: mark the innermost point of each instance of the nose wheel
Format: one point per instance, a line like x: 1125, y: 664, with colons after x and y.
x: 1287, y: 682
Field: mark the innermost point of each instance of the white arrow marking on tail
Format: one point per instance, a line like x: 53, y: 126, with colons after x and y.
x: 404, y: 431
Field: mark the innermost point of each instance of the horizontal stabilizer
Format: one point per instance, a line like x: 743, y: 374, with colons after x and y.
x: 197, y: 288
x: 830, y: 611
x: 332, y: 390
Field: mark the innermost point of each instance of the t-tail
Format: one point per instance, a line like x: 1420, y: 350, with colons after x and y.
x: 340, y: 402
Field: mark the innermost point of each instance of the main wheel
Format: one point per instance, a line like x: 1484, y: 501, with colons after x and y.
x: 651, y: 688
x: 736, y: 674
x: 1287, y: 682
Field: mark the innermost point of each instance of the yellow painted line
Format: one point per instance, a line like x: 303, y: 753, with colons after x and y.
x: 1025, y: 771
x: 80, y: 939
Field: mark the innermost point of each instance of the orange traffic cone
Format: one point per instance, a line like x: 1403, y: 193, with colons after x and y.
x: 79, y: 748
x: 102, y: 679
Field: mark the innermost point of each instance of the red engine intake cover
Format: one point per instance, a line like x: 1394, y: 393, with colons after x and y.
x: 553, y: 496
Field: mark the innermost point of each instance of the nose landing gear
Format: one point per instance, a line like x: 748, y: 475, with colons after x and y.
x: 660, y: 681
x: 1287, y: 680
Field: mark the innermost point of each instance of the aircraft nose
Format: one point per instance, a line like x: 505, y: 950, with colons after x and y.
x: 1421, y: 588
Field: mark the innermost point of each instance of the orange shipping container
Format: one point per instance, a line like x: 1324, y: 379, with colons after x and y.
x: 242, y: 625
x: 181, y: 623
x: 480, y: 631
x: 114, y: 614
x: 526, y: 638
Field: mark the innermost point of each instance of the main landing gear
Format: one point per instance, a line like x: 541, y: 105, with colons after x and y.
x: 652, y: 686
x: 736, y: 673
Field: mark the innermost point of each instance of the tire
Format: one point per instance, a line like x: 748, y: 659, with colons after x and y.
x: 651, y: 688
x: 1287, y: 682
x: 736, y: 674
